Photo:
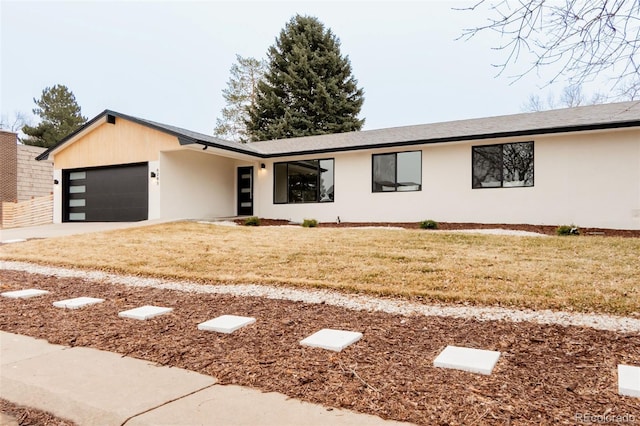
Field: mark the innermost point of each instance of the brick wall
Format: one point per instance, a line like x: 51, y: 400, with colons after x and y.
x: 35, y: 178
x: 36, y: 211
x: 25, y: 184
x: 8, y: 167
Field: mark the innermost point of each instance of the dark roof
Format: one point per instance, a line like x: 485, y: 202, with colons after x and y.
x: 592, y: 117
x: 184, y: 136
x: 187, y: 137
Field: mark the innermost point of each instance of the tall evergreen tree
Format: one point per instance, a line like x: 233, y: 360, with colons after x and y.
x: 240, y: 96
x: 60, y: 116
x: 308, y: 88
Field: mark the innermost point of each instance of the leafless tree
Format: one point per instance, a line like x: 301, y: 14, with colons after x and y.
x: 15, y: 123
x: 571, y: 96
x: 586, y: 38
x: 534, y: 103
x: 517, y: 162
x: 629, y: 90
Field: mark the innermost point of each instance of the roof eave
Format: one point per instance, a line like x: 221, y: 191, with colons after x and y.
x: 102, y: 118
x: 184, y: 140
x: 462, y: 138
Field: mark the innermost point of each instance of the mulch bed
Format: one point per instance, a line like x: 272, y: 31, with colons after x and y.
x: 451, y: 226
x: 546, y: 375
x: 26, y: 416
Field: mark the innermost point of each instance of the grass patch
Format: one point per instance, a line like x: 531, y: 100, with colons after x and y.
x: 582, y: 274
x: 252, y: 221
x: 309, y: 223
x: 429, y: 224
x: 567, y: 230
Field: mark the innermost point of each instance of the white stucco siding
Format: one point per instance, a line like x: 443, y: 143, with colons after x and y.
x: 588, y: 179
x: 57, y: 196
x: 263, y: 196
x: 196, y: 185
x: 353, y: 188
x: 154, y: 190
x: 354, y: 200
x: 448, y: 184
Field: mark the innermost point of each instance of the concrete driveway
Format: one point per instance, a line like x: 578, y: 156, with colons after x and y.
x: 70, y: 228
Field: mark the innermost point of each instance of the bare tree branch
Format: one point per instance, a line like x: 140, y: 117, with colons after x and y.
x: 15, y: 123
x: 571, y: 96
x: 587, y: 39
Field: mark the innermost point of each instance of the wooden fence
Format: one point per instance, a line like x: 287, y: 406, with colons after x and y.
x: 37, y: 211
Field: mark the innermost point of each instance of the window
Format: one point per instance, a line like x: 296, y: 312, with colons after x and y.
x: 77, y: 175
x: 398, y: 171
x: 502, y: 166
x: 306, y: 181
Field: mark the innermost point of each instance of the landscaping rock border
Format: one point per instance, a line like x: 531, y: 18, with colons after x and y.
x: 450, y: 226
x: 349, y: 301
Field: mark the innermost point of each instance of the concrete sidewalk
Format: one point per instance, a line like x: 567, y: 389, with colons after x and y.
x: 70, y: 228
x: 93, y: 387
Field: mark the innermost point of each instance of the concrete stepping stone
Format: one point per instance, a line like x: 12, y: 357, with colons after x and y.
x: 467, y: 359
x: 333, y: 340
x: 628, y: 380
x: 144, y: 312
x: 24, y: 294
x: 77, y: 302
x: 226, y: 323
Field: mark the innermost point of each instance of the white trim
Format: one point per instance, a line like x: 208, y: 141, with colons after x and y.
x: 57, y: 196
x: 155, y: 183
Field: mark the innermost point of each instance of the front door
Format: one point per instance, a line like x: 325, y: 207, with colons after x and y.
x: 245, y: 191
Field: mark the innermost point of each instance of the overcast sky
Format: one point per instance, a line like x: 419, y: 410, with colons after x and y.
x: 169, y: 61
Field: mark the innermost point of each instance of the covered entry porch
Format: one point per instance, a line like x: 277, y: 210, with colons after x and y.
x: 193, y: 183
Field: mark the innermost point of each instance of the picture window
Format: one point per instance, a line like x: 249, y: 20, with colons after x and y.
x: 304, y: 181
x: 397, y: 172
x: 502, y: 166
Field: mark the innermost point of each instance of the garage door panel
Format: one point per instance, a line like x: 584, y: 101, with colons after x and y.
x: 110, y: 194
x: 108, y: 215
x: 115, y: 200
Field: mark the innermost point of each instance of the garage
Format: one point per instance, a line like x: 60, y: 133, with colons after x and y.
x: 106, y: 194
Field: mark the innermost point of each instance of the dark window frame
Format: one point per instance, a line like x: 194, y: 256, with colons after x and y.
x: 395, y: 154
x: 318, y: 186
x: 501, y: 168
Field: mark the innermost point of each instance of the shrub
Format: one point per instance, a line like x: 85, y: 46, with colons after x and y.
x: 309, y: 223
x: 428, y: 224
x: 252, y: 221
x: 568, y: 230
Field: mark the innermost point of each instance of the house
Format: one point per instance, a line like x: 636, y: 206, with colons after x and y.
x: 569, y: 166
x: 25, y: 184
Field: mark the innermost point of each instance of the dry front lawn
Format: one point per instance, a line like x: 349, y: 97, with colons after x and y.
x: 599, y: 274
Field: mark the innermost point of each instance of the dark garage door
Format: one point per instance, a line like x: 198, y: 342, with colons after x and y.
x: 106, y: 194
